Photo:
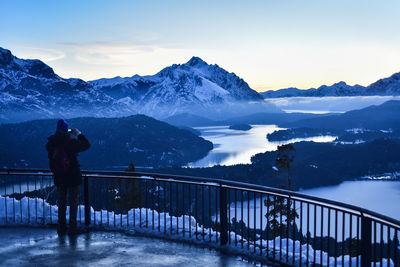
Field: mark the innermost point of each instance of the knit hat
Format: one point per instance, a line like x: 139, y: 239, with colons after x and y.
x: 62, y: 126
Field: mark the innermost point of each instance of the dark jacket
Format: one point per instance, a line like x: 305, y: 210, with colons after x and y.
x: 72, y: 148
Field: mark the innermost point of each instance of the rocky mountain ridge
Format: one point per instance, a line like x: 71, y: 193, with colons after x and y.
x: 389, y: 86
x: 30, y: 89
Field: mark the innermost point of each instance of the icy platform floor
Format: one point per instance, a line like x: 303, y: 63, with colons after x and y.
x: 42, y: 247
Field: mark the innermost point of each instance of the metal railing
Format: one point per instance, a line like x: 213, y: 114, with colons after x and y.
x: 260, y: 222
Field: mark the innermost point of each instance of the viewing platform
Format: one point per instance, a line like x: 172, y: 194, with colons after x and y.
x: 261, y: 224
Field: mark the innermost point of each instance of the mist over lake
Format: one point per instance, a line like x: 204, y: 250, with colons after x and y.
x: 328, y: 104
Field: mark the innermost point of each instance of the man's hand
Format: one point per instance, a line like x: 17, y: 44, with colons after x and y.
x: 75, y: 132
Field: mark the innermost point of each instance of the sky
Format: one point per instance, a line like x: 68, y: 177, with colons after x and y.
x: 271, y: 44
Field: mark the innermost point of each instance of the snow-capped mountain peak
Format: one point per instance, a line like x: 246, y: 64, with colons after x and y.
x: 195, y: 61
x: 390, y: 86
x: 180, y: 87
x: 5, y: 56
x: 32, y: 67
x: 30, y: 89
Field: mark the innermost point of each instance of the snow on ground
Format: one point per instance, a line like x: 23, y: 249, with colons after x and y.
x: 35, y: 211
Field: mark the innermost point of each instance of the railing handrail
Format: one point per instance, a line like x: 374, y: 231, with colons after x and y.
x: 223, y: 183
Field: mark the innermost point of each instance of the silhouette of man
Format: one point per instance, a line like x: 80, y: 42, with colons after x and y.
x: 63, y: 148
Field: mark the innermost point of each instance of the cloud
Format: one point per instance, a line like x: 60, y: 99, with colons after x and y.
x: 95, y: 60
x: 44, y: 54
x: 100, y: 53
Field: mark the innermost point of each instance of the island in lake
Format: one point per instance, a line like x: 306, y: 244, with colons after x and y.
x: 240, y: 126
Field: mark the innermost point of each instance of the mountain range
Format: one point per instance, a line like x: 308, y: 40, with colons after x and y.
x: 384, y: 87
x: 194, y: 87
x: 30, y: 89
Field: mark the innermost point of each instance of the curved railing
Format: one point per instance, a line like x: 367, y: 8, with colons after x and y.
x: 262, y: 223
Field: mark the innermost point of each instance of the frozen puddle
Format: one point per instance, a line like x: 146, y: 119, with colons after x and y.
x: 42, y: 247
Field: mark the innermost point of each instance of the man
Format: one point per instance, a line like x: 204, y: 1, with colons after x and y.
x: 63, y: 148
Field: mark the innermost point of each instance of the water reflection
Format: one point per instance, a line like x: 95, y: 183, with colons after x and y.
x: 27, y: 184
x: 237, y: 147
x: 379, y: 196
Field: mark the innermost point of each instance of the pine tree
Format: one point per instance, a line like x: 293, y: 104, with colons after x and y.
x: 283, y: 160
x: 125, y: 193
x: 281, y: 207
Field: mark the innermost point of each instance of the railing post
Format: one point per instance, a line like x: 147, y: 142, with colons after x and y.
x: 366, y: 239
x: 86, y: 200
x: 223, y: 215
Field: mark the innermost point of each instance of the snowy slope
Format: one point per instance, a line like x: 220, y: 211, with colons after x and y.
x: 194, y: 87
x: 196, y: 80
x: 29, y: 89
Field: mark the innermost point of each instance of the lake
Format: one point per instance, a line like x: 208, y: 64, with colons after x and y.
x: 379, y: 196
x: 237, y: 147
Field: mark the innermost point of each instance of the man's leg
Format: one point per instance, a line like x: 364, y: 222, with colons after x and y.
x: 73, y: 206
x: 62, y: 207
